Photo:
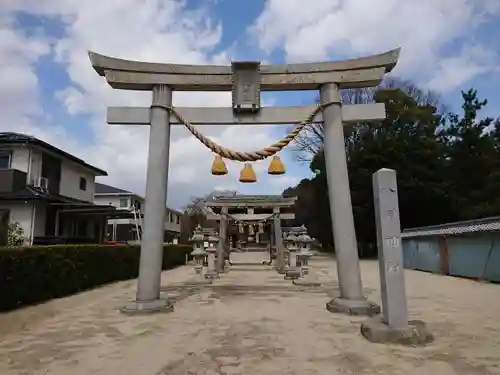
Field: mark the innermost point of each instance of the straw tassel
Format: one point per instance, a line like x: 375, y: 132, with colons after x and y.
x: 218, y: 166
x: 247, y: 174
x: 276, y: 166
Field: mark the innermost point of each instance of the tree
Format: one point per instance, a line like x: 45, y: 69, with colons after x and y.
x: 195, y: 213
x: 15, y: 234
x: 310, y: 141
x: 407, y: 141
x: 472, y: 157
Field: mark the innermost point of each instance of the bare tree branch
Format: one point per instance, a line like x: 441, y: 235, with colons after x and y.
x: 310, y: 141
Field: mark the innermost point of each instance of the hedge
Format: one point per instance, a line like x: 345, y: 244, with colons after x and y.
x: 38, y: 273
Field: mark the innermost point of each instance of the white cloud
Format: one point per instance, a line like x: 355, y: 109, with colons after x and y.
x: 348, y: 28
x: 19, y: 83
x: 453, y: 71
x: 157, y: 31
x: 168, y: 31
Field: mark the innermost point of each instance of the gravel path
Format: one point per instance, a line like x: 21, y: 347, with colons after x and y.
x: 252, y: 321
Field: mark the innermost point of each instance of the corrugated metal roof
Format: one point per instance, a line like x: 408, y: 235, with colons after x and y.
x: 489, y: 224
x: 9, y: 138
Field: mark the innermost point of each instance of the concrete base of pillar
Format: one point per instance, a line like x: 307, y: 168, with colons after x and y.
x: 147, y: 307
x: 281, y: 271
x: 211, y: 275
x: 292, y: 274
x: 200, y: 281
x: 353, y: 307
x: 307, y: 280
x: 415, y: 334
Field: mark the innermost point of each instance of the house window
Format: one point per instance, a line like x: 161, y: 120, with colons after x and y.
x: 177, y: 219
x: 124, y: 202
x: 171, y: 217
x: 5, y: 158
x: 83, y: 184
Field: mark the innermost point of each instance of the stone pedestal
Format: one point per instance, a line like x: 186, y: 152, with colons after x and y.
x: 292, y: 272
x: 414, y: 334
x: 198, y: 269
x: 211, y: 273
x: 200, y: 278
x: 307, y: 278
x: 353, y: 307
x: 148, y: 307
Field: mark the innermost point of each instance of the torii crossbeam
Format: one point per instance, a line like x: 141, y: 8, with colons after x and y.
x: 246, y: 80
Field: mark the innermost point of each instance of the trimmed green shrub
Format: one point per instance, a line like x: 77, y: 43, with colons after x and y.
x: 35, y: 274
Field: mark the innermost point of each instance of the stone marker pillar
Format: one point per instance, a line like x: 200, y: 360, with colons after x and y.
x: 393, y: 325
x: 351, y: 300
x: 278, y: 238
x: 150, y: 265
x: 222, y: 240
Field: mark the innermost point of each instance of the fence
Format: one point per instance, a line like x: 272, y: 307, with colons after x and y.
x: 466, y: 249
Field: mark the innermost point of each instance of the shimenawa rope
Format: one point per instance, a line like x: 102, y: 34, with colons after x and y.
x: 246, y: 156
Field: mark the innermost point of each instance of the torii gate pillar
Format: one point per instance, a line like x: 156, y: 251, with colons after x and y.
x: 351, y: 300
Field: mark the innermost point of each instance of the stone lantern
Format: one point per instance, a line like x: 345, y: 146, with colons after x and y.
x: 198, y: 252
x: 212, y: 239
x: 292, y: 272
x: 306, y: 278
x: 304, y: 244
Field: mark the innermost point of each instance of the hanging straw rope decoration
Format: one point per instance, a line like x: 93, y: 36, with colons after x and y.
x: 247, y: 156
x: 231, y: 217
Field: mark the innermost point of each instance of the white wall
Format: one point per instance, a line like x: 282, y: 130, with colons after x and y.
x: 21, y: 213
x: 170, y: 217
x: 39, y: 227
x: 70, y: 173
x: 112, y: 200
x: 19, y: 159
x: 35, y: 171
x: 172, y: 221
x: 70, y: 181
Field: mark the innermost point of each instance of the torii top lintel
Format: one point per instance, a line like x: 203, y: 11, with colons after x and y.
x: 354, y: 73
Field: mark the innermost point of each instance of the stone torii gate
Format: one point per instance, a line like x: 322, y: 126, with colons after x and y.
x: 246, y: 80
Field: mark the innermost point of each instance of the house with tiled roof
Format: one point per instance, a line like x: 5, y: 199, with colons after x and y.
x: 49, y: 193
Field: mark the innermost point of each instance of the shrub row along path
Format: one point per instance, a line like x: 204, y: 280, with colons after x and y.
x: 251, y: 321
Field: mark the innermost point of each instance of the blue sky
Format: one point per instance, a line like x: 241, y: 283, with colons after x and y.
x: 51, y: 91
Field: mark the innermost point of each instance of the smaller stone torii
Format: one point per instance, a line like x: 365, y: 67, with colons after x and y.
x: 246, y: 80
x: 274, y: 204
